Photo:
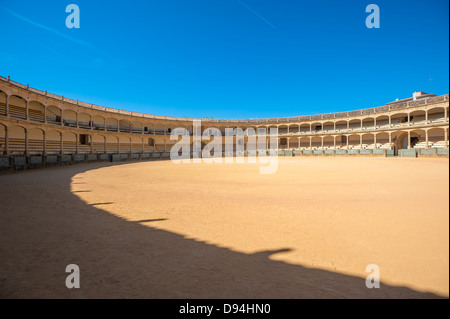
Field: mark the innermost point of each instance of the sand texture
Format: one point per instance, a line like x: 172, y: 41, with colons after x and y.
x: 165, y: 230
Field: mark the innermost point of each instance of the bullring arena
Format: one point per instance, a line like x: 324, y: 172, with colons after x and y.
x: 352, y: 189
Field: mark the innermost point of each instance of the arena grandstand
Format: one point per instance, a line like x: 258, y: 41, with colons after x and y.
x: 38, y: 128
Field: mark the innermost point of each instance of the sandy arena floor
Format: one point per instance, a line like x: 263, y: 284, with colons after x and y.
x: 161, y: 230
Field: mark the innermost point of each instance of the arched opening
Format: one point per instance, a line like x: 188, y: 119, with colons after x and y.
x: 69, y: 118
x: 316, y: 127
x: 53, y: 142
x: 437, y: 139
x: 355, y: 124
x: 341, y: 125
x: 436, y: 115
x: 35, y: 141
x: 399, y: 119
x: 54, y: 115
x: 328, y: 126
x: 17, y: 107
x: 383, y: 141
x: 84, y: 121
x: 328, y: 142
x: 98, y: 123
x: 354, y: 142
x: 111, y: 144
x: 112, y: 125
x: 368, y: 142
x: 2, y: 139
x: 16, y: 139
x: 316, y: 142
x: 417, y: 117
x: 368, y: 123
x: 69, y: 142
x: 282, y: 129
x: 304, y: 143
x: 36, y: 111
x: 2, y: 103
x: 124, y: 126
x: 98, y: 142
x: 304, y: 128
x: 294, y: 128
x: 136, y: 144
x: 136, y: 127
x: 382, y: 121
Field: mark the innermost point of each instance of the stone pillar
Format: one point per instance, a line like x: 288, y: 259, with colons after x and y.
x: 390, y: 121
x: 375, y: 141
x: 426, y: 116
x: 44, y: 139
x: 390, y: 140
x: 360, y: 142
x: 287, y: 141
x: 348, y: 125
x: 321, y: 142
x: 76, y: 143
x: 45, y: 114
x: 92, y: 143
x: 6, y: 141
x: 27, y: 113
x: 409, y: 140
x: 426, y: 139
x: 334, y: 141
x: 61, y: 146
x: 446, y: 137
x: 310, y: 143
x: 347, y: 141
x: 6, y: 105
x: 26, y: 142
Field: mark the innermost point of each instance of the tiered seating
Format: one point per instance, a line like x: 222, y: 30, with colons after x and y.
x: 35, y: 146
x: 2, y: 145
x: 16, y: 146
x: 386, y: 146
x: 373, y: 146
x: 17, y: 112
x: 53, y: 147
x: 423, y: 144
x: 36, y: 115
x: 111, y: 147
x: 440, y: 144
x: 99, y: 147
x: 2, y: 109
x: 53, y: 119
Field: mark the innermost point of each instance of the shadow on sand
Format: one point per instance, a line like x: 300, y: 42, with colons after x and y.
x: 41, y: 235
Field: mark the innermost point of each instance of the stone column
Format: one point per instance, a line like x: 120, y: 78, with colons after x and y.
x: 426, y: 139
x: 44, y: 138
x: 76, y: 143
x: 26, y: 142
x: 409, y: 140
x: 6, y: 105
x: 446, y: 137
x: 27, y: 113
x: 6, y: 141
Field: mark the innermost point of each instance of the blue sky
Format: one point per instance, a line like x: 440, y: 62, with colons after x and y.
x: 228, y: 58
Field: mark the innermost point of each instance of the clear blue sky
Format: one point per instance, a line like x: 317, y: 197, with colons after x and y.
x: 228, y: 58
